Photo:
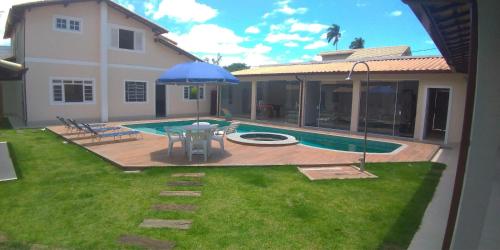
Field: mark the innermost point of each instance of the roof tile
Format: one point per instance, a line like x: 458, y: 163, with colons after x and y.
x: 400, y: 64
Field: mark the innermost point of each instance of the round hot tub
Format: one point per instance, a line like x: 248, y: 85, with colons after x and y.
x: 262, y: 139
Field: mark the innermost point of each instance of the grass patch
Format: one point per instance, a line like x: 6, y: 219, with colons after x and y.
x: 68, y: 197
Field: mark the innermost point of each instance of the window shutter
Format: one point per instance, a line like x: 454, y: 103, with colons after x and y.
x: 186, y: 92
x: 114, y: 37
x: 138, y: 41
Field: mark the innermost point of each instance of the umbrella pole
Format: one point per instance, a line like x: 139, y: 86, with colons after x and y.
x: 198, y: 105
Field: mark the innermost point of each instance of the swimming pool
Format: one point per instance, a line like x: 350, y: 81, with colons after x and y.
x: 311, y: 139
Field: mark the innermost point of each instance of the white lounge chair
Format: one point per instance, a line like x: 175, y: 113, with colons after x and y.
x: 232, y: 128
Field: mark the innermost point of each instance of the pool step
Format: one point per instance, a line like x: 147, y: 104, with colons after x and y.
x: 184, y: 183
x: 174, y: 207
x: 181, y: 193
x: 188, y: 175
x: 140, y: 241
x: 173, y: 224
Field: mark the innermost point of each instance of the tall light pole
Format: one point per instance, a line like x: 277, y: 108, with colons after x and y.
x: 363, y: 160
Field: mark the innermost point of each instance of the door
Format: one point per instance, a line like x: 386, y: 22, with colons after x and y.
x: 245, y: 100
x: 437, y: 114
x: 312, y: 104
x: 161, y: 101
x: 213, y: 102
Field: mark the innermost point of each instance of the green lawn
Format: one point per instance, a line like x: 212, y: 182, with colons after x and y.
x: 68, y: 197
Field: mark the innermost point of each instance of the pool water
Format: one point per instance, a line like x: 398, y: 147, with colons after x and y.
x: 305, y: 138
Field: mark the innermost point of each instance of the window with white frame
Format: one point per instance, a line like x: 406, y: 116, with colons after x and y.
x: 127, y: 39
x: 190, y: 92
x: 135, y: 91
x: 72, y: 91
x: 72, y: 24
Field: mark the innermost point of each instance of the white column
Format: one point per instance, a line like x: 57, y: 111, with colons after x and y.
x: 166, y: 100
x: 304, y: 99
x: 253, y: 109
x: 356, y: 98
x: 104, y: 61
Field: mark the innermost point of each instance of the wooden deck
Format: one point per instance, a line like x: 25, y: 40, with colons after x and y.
x: 151, y: 151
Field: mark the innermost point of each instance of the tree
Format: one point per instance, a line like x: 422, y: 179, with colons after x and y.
x: 333, y: 33
x: 215, y: 60
x: 236, y: 66
x: 357, y: 43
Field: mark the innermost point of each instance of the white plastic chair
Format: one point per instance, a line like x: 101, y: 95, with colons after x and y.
x: 198, y: 142
x: 173, y: 137
x: 219, y: 135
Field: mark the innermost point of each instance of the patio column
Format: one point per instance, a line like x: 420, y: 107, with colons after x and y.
x: 303, y: 102
x: 103, y: 66
x: 253, y: 108
x: 356, y: 98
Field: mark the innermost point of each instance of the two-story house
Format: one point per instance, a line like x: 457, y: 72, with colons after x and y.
x: 91, y: 60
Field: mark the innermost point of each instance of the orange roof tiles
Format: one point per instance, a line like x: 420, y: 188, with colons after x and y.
x: 399, y: 64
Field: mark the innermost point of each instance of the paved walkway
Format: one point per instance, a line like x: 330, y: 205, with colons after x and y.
x: 7, y: 171
x: 430, y: 235
x: 152, y: 151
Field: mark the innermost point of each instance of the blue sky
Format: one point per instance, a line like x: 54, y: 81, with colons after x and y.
x: 279, y: 31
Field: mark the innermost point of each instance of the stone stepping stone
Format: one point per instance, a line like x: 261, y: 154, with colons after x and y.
x: 174, y: 207
x: 144, y: 242
x: 3, y: 237
x: 184, y: 183
x: 159, y: 223
x: 181, y: 193
x: 188, y: 175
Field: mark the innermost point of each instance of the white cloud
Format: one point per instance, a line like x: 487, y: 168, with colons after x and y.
x: 253, y: 57
x: 396, y: 13
x: 126, y: 4
x: 149, y: 8
x: 284, y: 8
x: 306, y: 57
x: 4, y: 12
x: 316, y: 45
x: 3, y: 19
x: 308, y: 27
x: 185, y: 11
x: 291, y: 44
x: 276, y: 27
x: 206, y: 40
x: 209, y: 38
x: 252, y: 30
x: 317, y: 58
x: 278, y: 37
x: 361, y: 4
x: 256, y: 57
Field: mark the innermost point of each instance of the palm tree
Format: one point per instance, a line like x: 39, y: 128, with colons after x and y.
x: 333, y: 34
x: 357, y: 43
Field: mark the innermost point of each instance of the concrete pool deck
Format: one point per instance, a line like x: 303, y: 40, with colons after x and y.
x: 151, y: 151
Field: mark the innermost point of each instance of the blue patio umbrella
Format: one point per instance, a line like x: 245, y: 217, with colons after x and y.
x: 196, y: 74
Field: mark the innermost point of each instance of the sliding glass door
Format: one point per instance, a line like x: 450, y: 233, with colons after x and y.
x: 391, y: 108
x: 328, y: 104
x: 335, y: 106
x: 278, y: 101
x: 236, y: 99
x: 406, y: 108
